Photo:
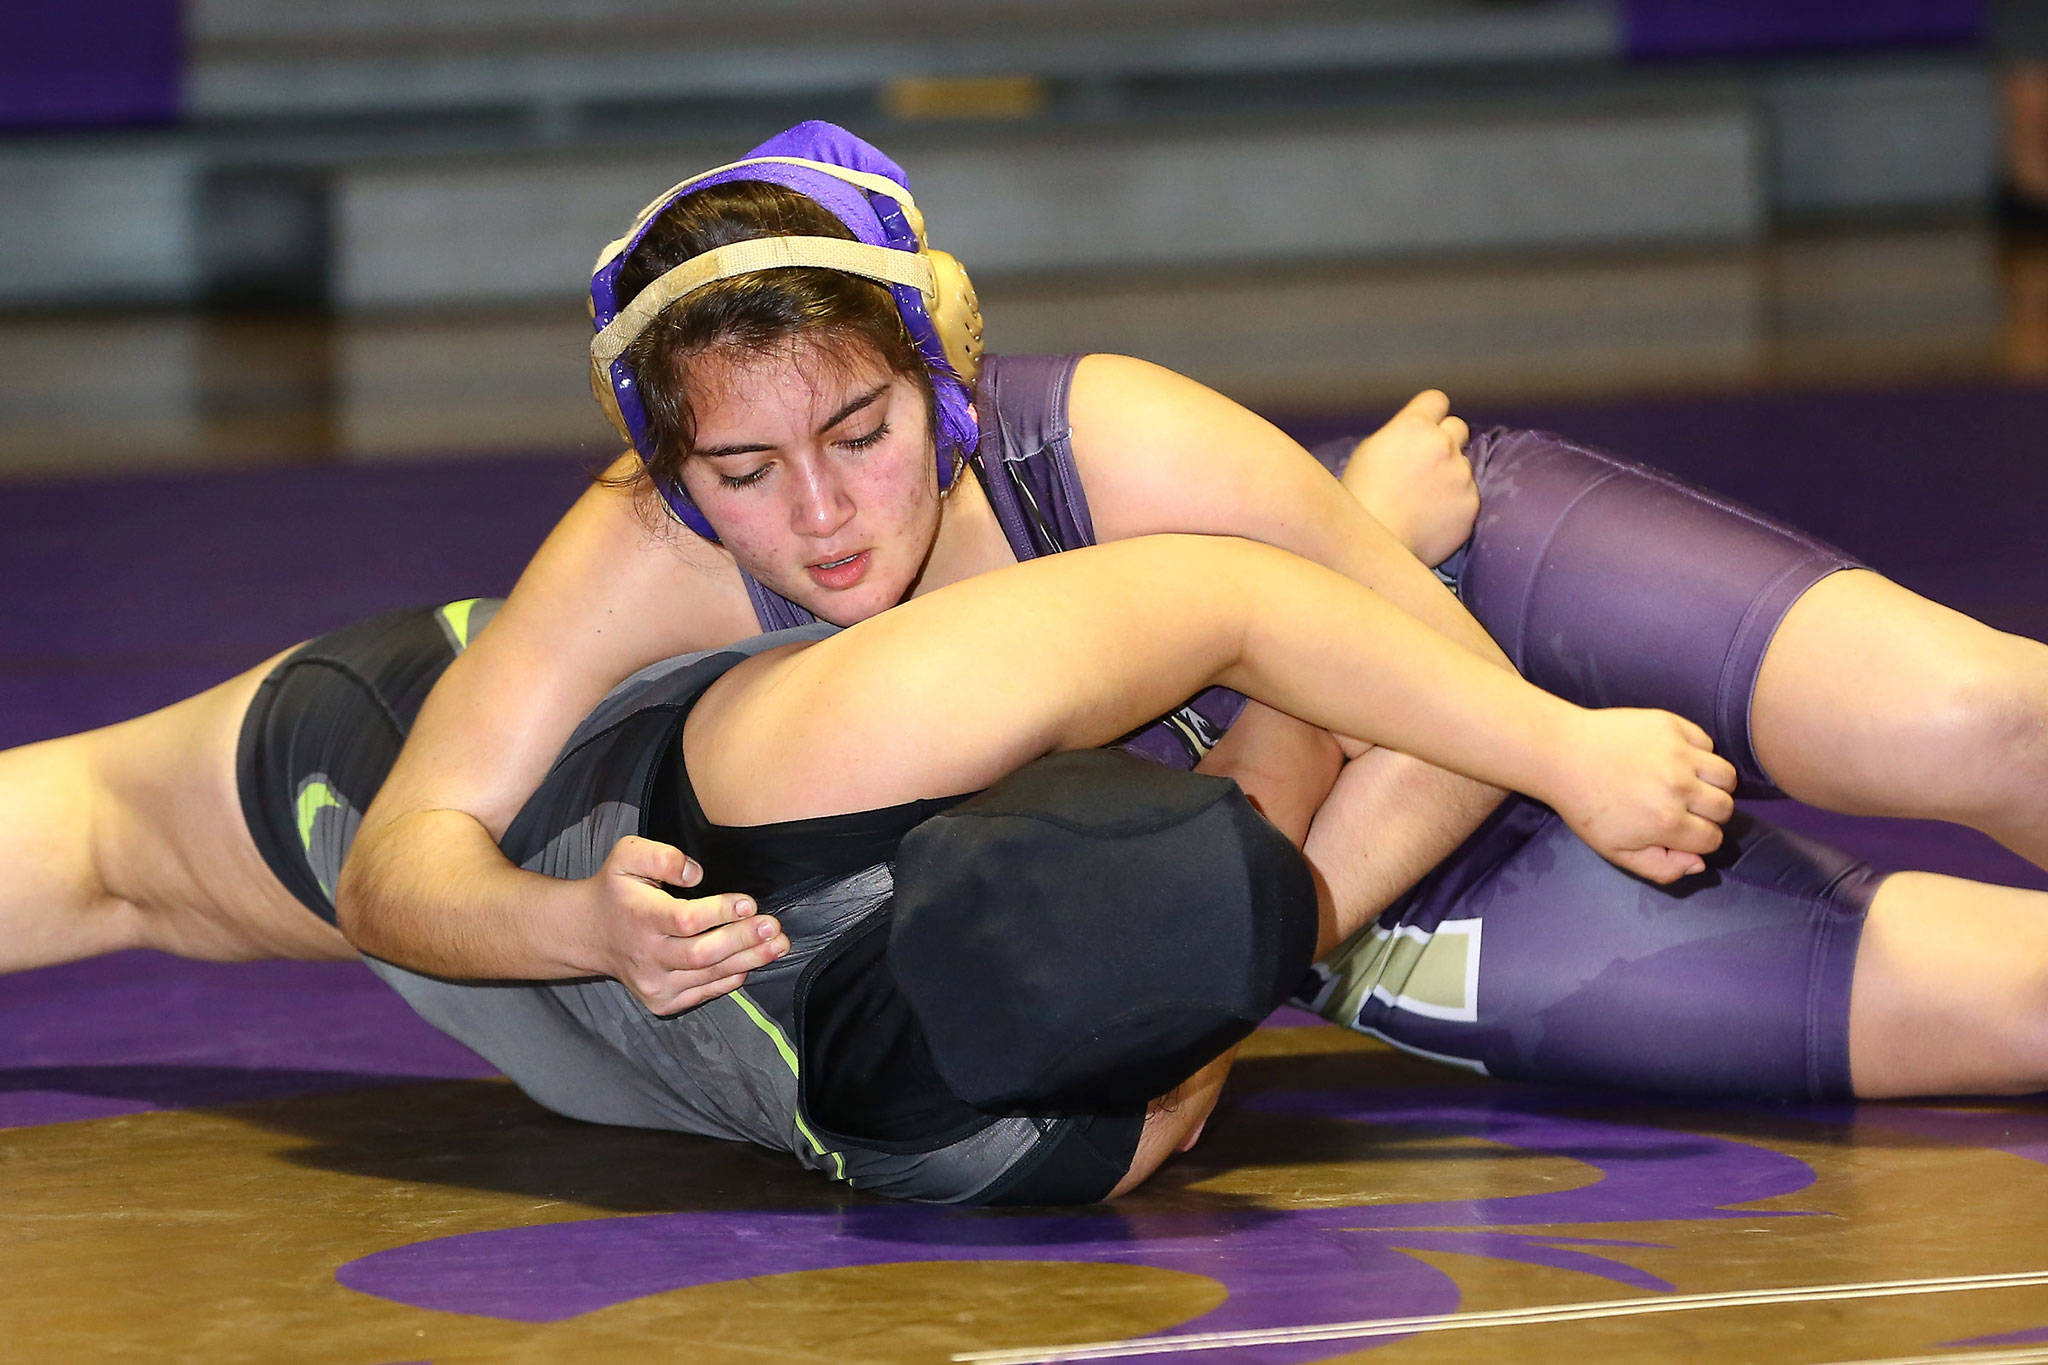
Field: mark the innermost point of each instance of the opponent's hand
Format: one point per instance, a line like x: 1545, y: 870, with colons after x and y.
x: 1413, y: 476
x: 1646, y: 790
x: 671, y: 951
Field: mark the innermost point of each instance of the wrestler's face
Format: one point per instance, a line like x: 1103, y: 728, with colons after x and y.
x: 816, y: 469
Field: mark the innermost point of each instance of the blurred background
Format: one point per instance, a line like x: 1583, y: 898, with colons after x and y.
x: 236, y: 232
x: 292, y: 320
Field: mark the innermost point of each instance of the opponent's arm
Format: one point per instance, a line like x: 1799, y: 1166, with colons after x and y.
x: 1159, y: 453
x: 1073, y: 650
x: 425, y: 884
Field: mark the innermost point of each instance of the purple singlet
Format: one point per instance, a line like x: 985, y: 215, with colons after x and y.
x: 1524, y: 954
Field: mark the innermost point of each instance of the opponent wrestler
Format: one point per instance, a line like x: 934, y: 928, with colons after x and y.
x: 1082, y: 936
x: 814, y: 421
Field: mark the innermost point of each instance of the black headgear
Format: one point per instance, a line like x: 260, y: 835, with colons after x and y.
x: 1092, y: 930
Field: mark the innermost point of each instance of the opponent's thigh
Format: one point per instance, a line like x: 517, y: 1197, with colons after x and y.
x: 1950, y: 992
x: 1876, y: 700
x: 54, y: 906
x: 1527, y: 955
x: 1613, y: 584
x: 171, y: 840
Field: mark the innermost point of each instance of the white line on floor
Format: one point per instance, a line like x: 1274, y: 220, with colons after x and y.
x: 2027, y: 1355
x: 1506, y: 1317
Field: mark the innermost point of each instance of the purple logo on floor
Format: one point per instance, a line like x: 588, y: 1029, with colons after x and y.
x: 1348, y: 1261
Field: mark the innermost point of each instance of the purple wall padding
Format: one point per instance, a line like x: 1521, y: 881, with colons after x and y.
x: 1687, y: 28
x: 89, y: 65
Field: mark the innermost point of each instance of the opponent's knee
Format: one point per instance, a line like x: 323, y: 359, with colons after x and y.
x: 1987, y: 719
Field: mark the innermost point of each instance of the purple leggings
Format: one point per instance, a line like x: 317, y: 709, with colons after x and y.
x: 1525, y: 955
x: 1613, y: 584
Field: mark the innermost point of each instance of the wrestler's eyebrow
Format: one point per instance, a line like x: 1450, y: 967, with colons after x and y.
x: 851, y: 408
x: 864, y: 400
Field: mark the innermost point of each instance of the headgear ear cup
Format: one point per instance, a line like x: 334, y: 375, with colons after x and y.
x: 956, y: 315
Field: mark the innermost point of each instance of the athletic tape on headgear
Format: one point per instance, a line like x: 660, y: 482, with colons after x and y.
x: 870, y: 195
x: 1093, y: 929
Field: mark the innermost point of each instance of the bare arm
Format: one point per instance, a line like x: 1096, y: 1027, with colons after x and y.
x: 1072, y: 650
x: 425, y: 884
x: 1391, y: 819
x: 1285, y: 766
x: 1159, y: 452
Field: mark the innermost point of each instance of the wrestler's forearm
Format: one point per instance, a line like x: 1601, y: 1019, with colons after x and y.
x: 430, y: 890
x: 1072, y: 650
x: 1371, y: 827
x: 1286, y: 768
x: 1371, y: 671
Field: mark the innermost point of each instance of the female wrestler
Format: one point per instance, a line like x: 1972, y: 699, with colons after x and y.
x: 217, y: 828
x: 811, y: 421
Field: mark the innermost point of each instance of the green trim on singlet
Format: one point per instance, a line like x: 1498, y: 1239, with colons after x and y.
x: 456, y: 614
x: 775, y: 1036
x: 314, y: 797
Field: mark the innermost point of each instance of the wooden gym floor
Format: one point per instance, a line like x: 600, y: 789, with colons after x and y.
x: 268, y: 1161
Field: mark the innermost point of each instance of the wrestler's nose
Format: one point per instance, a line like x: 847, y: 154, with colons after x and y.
x: 821, y: 503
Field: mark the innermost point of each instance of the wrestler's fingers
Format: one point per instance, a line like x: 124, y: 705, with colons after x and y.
x: 1431, y: 405
x: 1692, y: 834
x: 1694, y: 735
x: 652, y: 861
x: 686, y: 917
x: 1661, y: 865
x: 689, y: 997
x: 1712, y: 803
x: 729, y: 948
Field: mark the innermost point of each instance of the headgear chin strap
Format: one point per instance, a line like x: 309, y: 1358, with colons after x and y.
x: 864, y: 190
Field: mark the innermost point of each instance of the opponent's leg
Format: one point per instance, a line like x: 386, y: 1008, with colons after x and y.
x: 54, y: 905
x: 1875, y: 700
x: 1388, y: 820
x: 132, y: 836
x: 1370, y: 826
x: 1525, y: 956
x: 1613, y: 584
x: 1951, y: 990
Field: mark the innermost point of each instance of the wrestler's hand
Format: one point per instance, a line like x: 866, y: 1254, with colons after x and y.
x: 1646, y: 790
x: 671, y: 951
x: 1413, y: 476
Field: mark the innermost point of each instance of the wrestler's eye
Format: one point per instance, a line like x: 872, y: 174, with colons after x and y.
x: 872, y: 438
x: 752, y: 476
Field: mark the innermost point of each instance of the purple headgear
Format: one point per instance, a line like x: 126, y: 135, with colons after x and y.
x: 868, y: 193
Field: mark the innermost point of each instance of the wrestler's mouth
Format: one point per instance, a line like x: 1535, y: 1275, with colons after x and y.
x: 839, y: 574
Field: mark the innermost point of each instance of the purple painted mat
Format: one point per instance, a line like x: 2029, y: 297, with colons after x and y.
x: 127, y: 595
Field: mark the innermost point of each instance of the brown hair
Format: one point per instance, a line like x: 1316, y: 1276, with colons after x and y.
x: 756, y: 312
